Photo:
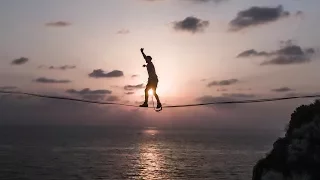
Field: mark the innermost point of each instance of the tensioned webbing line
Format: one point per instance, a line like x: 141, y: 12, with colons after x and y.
x: 168, y: 106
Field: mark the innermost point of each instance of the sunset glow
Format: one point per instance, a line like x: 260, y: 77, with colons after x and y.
x: 202, y: 51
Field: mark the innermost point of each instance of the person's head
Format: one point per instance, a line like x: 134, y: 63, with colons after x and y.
x: 148, y: 59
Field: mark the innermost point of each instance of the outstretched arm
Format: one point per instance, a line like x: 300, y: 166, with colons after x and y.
x: 144, y: 56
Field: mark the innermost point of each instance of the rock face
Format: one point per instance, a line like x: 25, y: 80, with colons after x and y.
x: 297, y: 155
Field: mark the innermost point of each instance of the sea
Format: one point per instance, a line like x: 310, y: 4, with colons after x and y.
x: 103, y: 153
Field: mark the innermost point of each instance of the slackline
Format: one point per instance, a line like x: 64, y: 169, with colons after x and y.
x: 168, y: 106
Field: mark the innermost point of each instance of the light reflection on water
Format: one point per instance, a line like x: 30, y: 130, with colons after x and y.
x: 151, y: 161
x: 151, y: 131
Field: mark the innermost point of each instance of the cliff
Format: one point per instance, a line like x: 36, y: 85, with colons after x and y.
x: 296, y: 156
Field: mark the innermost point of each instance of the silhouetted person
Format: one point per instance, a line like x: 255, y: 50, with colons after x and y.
x: 152, y: 81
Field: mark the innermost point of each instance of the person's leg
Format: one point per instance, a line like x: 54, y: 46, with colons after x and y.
x: 146, y: 94
x: 156, y: 95
x: 159, y: 105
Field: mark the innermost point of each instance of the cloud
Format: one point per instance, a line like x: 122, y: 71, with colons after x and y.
x: 310, y: 51
x: 288, y: 42
x: 245, y: 89
x: 129, y: 93
x: 20, y: 61
x: 285, y: 60
x: 299, y: 13
x: 238, y: 95
x: 46, y: 80
x: 87, y: 91
x: 282, y: 89
x: 123, y: 31
x: 58, y: 24
x: 65, y: 67
x: 252, y: 53
x: 291, y: 50
x: 222, y: 89
x: 191, y: 24
x: 133, y: 87
x: 8, y: 87
x: 289, y: 54
x: 223, y: 82
x: 257, y: 16
x: 99, y: 73
x: 112, y: 98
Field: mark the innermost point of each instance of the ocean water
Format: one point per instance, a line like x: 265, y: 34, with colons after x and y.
x: 98, y: 153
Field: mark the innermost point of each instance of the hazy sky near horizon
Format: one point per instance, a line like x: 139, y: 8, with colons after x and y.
x: 203, y: 50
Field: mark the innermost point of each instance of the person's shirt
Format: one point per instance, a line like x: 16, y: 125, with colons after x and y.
x: 152, y: 71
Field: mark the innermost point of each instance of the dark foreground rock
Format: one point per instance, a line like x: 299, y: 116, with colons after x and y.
x: 297, y: 155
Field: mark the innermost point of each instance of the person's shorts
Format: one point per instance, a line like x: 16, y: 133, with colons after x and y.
x: 152, y: 84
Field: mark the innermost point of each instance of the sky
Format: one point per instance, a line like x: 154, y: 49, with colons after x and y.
x: 203, y: 51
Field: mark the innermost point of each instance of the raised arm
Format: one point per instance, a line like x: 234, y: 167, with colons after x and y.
x: 144, y: 56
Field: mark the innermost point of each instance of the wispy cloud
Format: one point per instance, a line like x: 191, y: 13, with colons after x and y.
x: 8, y: 87
x: 223, y: 82
x: 222, y: 89
x: 58, y: 24
x: 99, y: 73
x: 133, y: 87
x: 47, y: 80
x: 282, y: 89
x: 123, y: 31
x: 129, y: 93
x: 252, y: 53
x: 87, y: 91
x: 238, y: 95
x: 64, y: 67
